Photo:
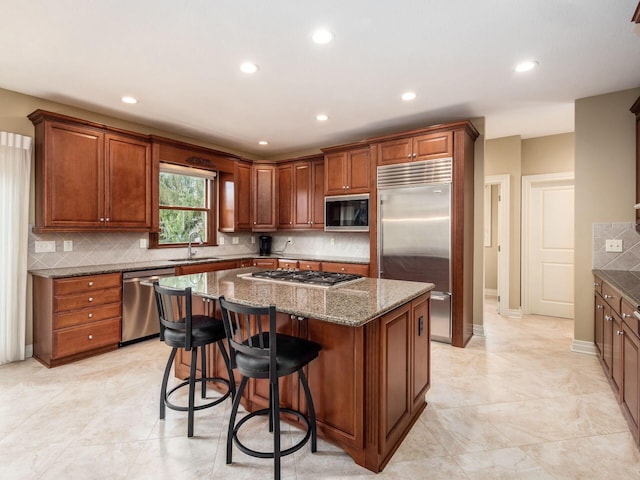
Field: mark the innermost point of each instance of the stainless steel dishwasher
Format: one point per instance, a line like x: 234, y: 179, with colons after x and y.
x: 139, y: 312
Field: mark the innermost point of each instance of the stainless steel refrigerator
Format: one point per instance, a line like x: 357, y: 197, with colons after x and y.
x: 414, y: 231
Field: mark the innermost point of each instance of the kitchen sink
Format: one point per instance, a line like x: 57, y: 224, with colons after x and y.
x: 194, y: 259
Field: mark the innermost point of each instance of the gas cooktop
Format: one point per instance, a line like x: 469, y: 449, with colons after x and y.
x: 307, y: 277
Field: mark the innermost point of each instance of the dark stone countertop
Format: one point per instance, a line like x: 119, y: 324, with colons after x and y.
x: 626, y: 282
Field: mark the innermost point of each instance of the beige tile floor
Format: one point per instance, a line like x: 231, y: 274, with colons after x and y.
x: 515, y: 404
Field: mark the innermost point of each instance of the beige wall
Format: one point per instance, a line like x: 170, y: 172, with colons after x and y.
x: 503, y: 157
x: 605, y: 168
x: 550, y: 154
x: 478, y: 220
x: 491, y: 252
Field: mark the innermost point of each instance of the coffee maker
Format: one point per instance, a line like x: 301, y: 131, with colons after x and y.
x: 265, y: 245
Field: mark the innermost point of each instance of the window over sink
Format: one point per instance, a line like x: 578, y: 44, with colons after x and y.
x: 187, y: 206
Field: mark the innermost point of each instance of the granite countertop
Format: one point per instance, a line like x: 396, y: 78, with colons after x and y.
x: 353, y: 304
x: 626, y: 282
x: 63, y: 272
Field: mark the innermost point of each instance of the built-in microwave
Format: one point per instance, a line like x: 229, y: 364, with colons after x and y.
x: 346, y: 213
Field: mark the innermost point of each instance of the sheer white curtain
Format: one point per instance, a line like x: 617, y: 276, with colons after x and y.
x: 15, y: 169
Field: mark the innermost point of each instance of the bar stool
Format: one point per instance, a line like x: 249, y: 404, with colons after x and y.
x: 180, y: 329
x: 257, y: 353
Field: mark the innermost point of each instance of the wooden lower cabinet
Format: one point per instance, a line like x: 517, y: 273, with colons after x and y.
x: 617, y: 340
x: 368, y: 383
x: 355, y: 268
x: 76, y: 317
x: 630, y: 394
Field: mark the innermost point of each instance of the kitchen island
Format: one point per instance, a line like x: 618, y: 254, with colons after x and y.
x: 370, y: 380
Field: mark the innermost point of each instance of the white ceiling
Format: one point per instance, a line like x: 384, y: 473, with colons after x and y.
x: 181, y: 60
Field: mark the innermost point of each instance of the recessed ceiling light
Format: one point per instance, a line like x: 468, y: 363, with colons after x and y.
x: 322, y: 36
x: 248, y: 67
x: 263, y: 142
x: 322, y: 117
x: 406, y: 96
x: 130, y: 100
x: 526, y: 66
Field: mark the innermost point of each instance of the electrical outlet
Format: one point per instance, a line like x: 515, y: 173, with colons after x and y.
x: 332, y: 241
x: 614, y: 245
x: 290, y: 240
x: 221, y: 241
x: 67, y: 246
x: 143, y: 243
x: 253, y: 239
x: 45, y: 247
x: 235, y: 240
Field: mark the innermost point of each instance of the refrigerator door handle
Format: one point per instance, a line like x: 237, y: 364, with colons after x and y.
x: 441, y: 298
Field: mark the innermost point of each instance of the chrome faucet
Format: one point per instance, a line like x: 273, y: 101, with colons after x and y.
x: 191, y: 253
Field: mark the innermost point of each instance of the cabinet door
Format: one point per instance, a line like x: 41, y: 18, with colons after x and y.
x: 335, y: 175
x: 394, y: 151
x: 242, y: 195
x: 599, y: 323
x: 303, y: 192
x: 359, y: 171
x: 73, y: 179
x: 263, y: 211
x: 607, y: 338
x: 421, y: 351
x: 432, y: 146
x: 317, y: 200
x: 265, y: 263
x: 128, y: 183
x: 616, y: 354
x: 354, y: 268
x: 631, y: 374
x: 285, y: 196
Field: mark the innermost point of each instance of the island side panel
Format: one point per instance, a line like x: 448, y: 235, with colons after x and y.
x: 336, y: 380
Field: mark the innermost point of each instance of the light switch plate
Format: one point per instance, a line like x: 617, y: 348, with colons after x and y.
x: 143, y: 243
x: 235, y: 240
x: 45, y: 247
x: 67, y: 246
x: 614, y: 245
x: 221, y: 241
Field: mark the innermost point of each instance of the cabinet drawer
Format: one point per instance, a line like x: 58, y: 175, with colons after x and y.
x: 86, y: 315
x: 354, y: 268
x: 87, y: 299
x: 629, y: 318
x: 611, y: 296
x: 282, y: 263
x: 86, y: 283
x: 205, y: 267
x: 597, y: 284
x: 74, y: 340
x: 265, y: 262
x: 306, y: 265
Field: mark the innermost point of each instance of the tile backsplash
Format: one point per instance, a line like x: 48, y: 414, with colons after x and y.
x: 628, y: 259
x: 95, y: 248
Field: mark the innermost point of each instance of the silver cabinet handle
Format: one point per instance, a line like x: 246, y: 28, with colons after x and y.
x: 596, y: 284
x: 102, y: 219
x: 414, y: 155
x: 90, y: 337
x: 620, y: 332
x: 91, y: 299
x: 599, y: 307
x: 409, y: 156
x: 626, y: 315
x: 90, y: 315
x: 107, y: 219
x: 608, y: 318
x: 608, y: 296
x: 91, y: 284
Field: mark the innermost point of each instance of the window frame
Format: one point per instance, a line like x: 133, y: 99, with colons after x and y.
x: 211, y: 189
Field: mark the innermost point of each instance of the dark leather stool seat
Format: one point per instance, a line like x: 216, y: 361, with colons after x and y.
x: 269, y: 355
x: 179, y: 328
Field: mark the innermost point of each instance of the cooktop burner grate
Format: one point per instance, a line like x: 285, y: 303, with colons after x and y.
x: 310, y: 277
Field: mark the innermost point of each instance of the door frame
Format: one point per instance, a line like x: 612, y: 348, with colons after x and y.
x: 528, y: 183
x: 503, y: 182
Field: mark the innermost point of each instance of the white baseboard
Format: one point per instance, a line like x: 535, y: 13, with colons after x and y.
x: 580, y: 346
x: 514, y: 313
x: 28, y: 351
x: 490, y: 292
x: 478, y: 330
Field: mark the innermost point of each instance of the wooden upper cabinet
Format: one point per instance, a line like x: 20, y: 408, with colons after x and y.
x: 127, y: 183
x: 317, y: 202
x: 635, y: 108
x: 347, y: 170
x: 285, y: 196
x: 263, y: 197
x: 243, y: 195
x: 416, y: 148
x: 90, y: 178
x: 302, y: 194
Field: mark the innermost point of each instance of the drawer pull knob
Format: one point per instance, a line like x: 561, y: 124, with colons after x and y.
x: 599, y: 307
x: 608, y: 296
x: 626, y: 315
x: 90, y: 337
x: 91, y: 299
x: 608, y: 318
x: 620, y: 332
x: 91, y: 315
x: 596, y: 284
x: 91, y: 284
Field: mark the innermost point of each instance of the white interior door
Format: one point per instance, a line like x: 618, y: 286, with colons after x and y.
x: 550, y: 250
